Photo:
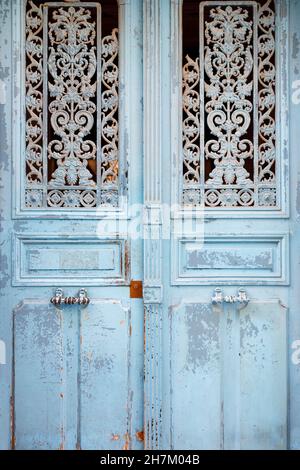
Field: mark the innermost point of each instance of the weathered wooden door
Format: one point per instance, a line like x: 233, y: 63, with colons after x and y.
x: 71, y: 142
x: 151, y: 141
x: 222, y: 303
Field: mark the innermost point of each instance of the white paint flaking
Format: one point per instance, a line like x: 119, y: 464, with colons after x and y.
x: 2, y: 92
x: 2, y: 353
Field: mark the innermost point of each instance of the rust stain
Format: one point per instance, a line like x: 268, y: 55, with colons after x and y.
x: 140, y: 436
x: 62, y: 433
x: 13, y: 442
x: 130, y: 330
x: 86, y: 316
x: 127, y: 442
x: 115, y: 437
x: 12, y: 423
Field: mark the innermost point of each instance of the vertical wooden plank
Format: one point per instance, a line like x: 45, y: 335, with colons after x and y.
x: 6, y: 93
x: 131, y: 92
x: 230, y: 383
x: 106, y: 406
x: 71, y: 364
x: 152, y: 224
x: 196, y: 387
x: 263, y: 396
x: 40, y: 385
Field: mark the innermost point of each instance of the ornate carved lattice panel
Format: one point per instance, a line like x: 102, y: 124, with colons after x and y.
x: 229, y: 106
x: 72, y: 104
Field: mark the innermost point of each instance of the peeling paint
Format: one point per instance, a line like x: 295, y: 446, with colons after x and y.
x: 295, y: 46
x: 298, y: 199
x: 106, y: 363
x: 2, y: 92
x: 203, y: 336
x: 4, y: 278
x: 127, y: 442
x: 224, y: 258
x: 249, y: 328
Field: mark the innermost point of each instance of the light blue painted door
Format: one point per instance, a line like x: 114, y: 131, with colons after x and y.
x: 71, y: 87
x: 222, y: 270
x: 135, y: 121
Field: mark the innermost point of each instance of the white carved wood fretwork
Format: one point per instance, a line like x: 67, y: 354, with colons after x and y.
x: 109, y: 128
x: 72, y: 101
x: 34, y: 100
x: 191, y: 132
x: 267, y: 102
x: 229, y: 132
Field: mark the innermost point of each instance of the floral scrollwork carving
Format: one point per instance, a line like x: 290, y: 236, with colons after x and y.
x: 72, y: 106
x: 228, y: 66
x: 229, y: 107
x: 72, y: 68
x: 109, y: 118
x: 267, y: 98
x: 34, y: 95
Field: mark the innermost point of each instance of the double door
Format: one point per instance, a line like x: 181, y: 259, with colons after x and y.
x: 150, y: 228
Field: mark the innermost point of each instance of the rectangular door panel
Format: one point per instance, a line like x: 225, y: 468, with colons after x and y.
x: 39, y: 376
x: 49, y: 259
x: 228, y: 365
x: 263, y: 376
x: 252, y: 259
x: 71, y: 376
x: 195, y: 380
x: 105, y: 362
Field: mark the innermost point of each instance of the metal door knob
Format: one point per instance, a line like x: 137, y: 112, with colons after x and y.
x: 59, y: 299
x: 241, y: 299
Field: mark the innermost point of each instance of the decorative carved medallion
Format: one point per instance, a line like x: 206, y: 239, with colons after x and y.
x: 71, y: 107
x: 229, y: 133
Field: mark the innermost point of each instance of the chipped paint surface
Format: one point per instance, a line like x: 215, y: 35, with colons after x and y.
x: 236, y: 257
x: 3, y: 92
x: 221, y: 362
x: 47, y: 347
x: 295, y: 46
x: 203, y: 336
x: 127, y: 440
x: 4, y: 276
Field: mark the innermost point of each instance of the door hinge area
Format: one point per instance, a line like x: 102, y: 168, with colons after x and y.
x: 136, y: 289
